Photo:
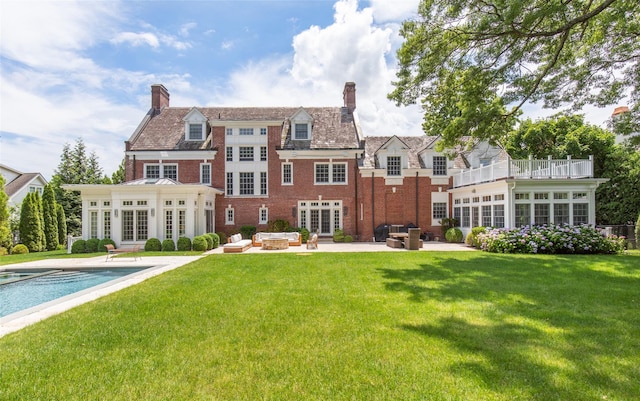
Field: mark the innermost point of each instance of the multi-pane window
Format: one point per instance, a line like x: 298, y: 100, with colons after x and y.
x: 229, y: 216
x: 205, y: 173
x: 93, y: 224
x: 486, y: 216
x: 439, y: 210
x: 580, y: 213
x: 127, y: 225
x: 170, y: 171
x: 229, y: 153
x: 475, y: 216
x: 466, y: 217
x: 394, y: 167
x: 327, y: 173
x: 263, y: 131
x: 339, y: 172
x: 246, y: 153
x: 541, y: 214
x: 523, y: 214
x: 264, y: 215
x: 142, y: 225
x: 457, y: 213
x: 263, y: 183
x: 229, y: 131
x: 246, y: 183
x: 152, y: 171
x: 322, y: 173
x: 302, y: 131
x: 439, y: 165
x: 106, y: 227
x: 168, y: 224
x: 287, y: 173
x: 263, y: 153
x: 182, y: 222
x: 229, y: 183
x: 498, y: 216
x: 195, y: 132
x: 246, y: 131
x: 561, y: 213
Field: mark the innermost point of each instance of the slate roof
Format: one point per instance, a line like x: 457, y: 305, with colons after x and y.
x: 333, y: 128
x: 17, y: 184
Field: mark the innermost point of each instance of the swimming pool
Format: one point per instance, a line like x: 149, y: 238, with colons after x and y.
x: 25, y: 289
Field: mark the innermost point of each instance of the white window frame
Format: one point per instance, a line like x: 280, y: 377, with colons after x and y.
x: 205, y: 173
x: 297, y: 135
x: 229, y: 216
x: 437, y: 166
x: 284, y: 173
x: 189, y: 136
x: 162, y: 167
x: 330, y: 173
x: 394, y: 169
x: 263, y: 215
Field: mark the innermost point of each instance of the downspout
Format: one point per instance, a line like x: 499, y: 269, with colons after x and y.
x: 355, y: 209
x: 417, y: 203
x: 373, y: 208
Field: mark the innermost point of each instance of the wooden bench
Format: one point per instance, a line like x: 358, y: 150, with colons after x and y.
x: 112, y: 251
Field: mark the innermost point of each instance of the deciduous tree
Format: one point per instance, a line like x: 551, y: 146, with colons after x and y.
x: 475, y: 63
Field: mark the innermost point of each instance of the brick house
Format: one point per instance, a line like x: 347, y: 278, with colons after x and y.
x: 191, y: 170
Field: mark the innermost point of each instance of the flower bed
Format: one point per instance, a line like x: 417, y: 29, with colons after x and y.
x: 551, y: 239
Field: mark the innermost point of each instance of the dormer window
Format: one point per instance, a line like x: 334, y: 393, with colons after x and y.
x: 302, y: 131
x: 394, y: 166
x: 195, y: 132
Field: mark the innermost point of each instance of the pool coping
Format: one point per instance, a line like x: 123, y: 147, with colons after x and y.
x: 152, y: 266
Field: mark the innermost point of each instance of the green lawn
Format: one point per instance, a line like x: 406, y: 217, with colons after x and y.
x: 330, y: 326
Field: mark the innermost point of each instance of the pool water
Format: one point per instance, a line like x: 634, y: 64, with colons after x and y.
x: 26, y: 293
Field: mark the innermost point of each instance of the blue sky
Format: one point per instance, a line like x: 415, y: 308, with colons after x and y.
x: 83, y: 69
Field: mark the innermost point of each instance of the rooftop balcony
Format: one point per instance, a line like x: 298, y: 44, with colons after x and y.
x: 526, y: 169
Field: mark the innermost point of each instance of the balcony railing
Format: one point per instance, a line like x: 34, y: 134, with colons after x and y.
x: 526, y: 169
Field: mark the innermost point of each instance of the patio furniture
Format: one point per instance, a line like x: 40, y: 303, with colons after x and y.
x: 312, y: 243
x: 235, y: 244
x: 112, y: 251
x: 275, y: 243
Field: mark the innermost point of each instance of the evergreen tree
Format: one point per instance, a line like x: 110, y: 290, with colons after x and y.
x: 50, y: 217
x: 76, y: 167
x: 31, y: 234
x: 118, y: 176
x: 5, y: 228
x: 62, y: 224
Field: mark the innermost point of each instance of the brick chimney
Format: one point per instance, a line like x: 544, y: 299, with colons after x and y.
x: 349, y: 96
x: 159, y: 97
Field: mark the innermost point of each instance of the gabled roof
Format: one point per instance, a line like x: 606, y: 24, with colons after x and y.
x: 22, y: 181
x: 165, y: 130
x: 413, y: 143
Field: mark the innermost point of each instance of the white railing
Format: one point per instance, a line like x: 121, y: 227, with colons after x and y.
x: 526, y: 169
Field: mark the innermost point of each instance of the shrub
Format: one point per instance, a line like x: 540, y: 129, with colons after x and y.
x: 3, y: 251
x: 338, y: 236
x: 92, y: 245
x: 278, y: 226
x: 168, y: 245
x: 247, y: 231
x: 184, y: 244
x: 103, y: 242
x: 223, y: 237
x: 19, y: 249
x: 304, y: 235
x: 637, y: 232
x: 448, y: 223
x: 348, y: 238
x: 153, y: 245
x: 79, y: 246
x: 209, y: 240
x: 199, y: 243
x: 472, y: 237
x: 552, y: 239
x: 216, y: 240
x: 453, y: 234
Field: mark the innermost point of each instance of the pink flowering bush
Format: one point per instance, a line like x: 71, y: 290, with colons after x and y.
x: 551, y: 239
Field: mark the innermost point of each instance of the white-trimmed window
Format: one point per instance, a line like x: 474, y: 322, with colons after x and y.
x: 263, y: 153
x: 263, y: 183
x: 161, y: 171
x: 196, y: 132
x: 394, y: 166
x: 580, y: 213
x: 229, y: 131
x: 106, y: 224
x: 287, y: 173
x: 264, y: 215
x: 301, y: 131
x: 229, y: 183
x: 523, y: 214
x: 498, y: 216
x: 486, y: 215
x: 205, y: 173
x: 439, y: 210
x: 330, y: 173
x: 439, y: 165
x: 246, y: 183
x: 246, y: 131
x: 229, y: 153
x: 246, y: 153
x: 168, y: 224
x: 263, y: 131
x: 229, y: 214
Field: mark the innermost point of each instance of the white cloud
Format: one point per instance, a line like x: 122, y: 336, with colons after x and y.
x: 136, y: 39
x: 186, y: 28
x: 394, y: 11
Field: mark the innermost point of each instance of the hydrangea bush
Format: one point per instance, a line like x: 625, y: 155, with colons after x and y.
x: 551, y: 239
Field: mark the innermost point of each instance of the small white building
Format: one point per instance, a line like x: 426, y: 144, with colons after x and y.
x: 18, y: 184
x: 132, y: 212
